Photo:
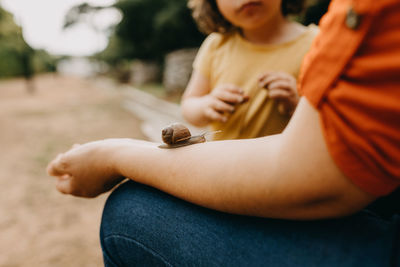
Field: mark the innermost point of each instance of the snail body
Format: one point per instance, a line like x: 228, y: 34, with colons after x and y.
x: 178, y: 135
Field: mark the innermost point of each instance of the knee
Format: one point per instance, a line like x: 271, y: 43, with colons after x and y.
x: 125, y: 236
x: 124, y: 206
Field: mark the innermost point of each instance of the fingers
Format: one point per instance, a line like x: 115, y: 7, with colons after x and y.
x: 229, y: 93
x: 280, y: 94
x: 229, y: 97
x: 213, y: 115
x: 64, y: 184
x: 283, y: 90
x: 58, y: 167
x: 283, y: 85
x: 61, y: 164
x: 230, y: 88
x: 222, y: 101
x: 221, y: 106
x: 266, y: 80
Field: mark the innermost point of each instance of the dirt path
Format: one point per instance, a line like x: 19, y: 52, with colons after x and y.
x: 38, y: 225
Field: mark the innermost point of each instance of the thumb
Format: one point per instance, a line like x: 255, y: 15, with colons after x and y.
x: 64, y: 185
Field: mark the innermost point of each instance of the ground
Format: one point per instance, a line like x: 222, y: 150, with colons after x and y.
x: 38, y: 225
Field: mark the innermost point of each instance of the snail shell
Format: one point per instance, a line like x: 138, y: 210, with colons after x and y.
x: 177, y: 135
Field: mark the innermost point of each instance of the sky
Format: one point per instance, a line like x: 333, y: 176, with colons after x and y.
x: 42, y: 22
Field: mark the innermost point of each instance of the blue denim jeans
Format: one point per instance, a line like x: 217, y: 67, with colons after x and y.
x: 142, y: 226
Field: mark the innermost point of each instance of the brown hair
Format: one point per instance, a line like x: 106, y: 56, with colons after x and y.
x: 209, y: 19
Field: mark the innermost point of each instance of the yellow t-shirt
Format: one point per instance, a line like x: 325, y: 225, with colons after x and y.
x: 231, y: 59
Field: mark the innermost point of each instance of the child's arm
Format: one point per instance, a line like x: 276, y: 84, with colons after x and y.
x: 200, y: 105
x: 283, y: 87
x: 290, y: 175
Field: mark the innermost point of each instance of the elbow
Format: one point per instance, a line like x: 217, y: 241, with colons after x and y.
x: 336, y: 206
x: 345, y: 205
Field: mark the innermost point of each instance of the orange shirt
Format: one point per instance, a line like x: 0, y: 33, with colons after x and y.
x: 352, y: 76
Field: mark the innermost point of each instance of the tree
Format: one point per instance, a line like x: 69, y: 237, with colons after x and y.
x: 148, y: 30
x: 154, y: 29
x: 17, y: 57
x: 12, y: 46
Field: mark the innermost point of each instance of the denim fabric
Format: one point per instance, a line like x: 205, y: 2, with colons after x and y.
x: 142, y: 226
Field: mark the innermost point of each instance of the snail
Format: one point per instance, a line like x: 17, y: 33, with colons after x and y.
x: 177, y: 135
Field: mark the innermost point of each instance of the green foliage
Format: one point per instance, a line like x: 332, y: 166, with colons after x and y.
x: 115, y: 53
x: 174, y: 27
x: 151, y: 28
x: 10, y: 62
x: 43, y: 62
x: 17, y: 57
x: 12, y: 46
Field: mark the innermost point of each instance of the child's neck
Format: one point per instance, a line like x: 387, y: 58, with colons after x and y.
x: 278, y: 30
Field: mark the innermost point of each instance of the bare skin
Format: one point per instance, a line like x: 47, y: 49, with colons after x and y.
x: 201, y: 107
x: 282, y: 87
x: 290, y: 175
x: 260, y: 22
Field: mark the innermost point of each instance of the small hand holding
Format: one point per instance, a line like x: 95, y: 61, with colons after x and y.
x: 222, y: 101
x: 282, y: 87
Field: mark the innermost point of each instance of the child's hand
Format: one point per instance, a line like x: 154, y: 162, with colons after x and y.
x: 86, y: 170
x: 282, y: 87
x: 222, y: 101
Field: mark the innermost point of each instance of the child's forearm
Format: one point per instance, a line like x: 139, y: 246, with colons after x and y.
x: 193, y: 111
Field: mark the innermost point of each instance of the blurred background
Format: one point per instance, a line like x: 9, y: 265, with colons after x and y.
x: 72, y: 71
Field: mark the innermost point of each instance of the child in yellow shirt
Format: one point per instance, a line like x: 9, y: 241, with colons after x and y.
x: 252, y: 46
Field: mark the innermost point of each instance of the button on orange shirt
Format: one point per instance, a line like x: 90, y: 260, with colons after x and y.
x: 352, y: 76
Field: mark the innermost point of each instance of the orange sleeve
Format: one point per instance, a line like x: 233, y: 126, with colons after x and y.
x: 352, y: 76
